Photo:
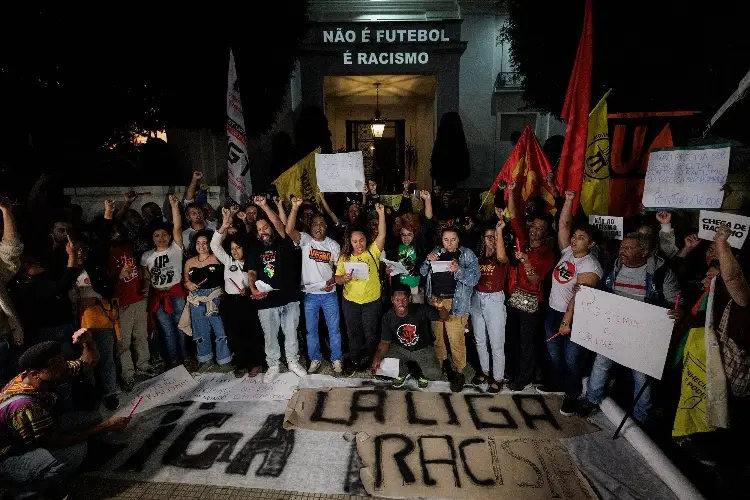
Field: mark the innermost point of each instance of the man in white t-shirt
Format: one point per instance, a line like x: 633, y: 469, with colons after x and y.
x: 576, y: 267
x: 319, y: 257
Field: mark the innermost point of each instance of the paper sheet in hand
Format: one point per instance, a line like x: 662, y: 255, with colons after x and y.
x: 629, y: 332
x: 711, y: 221
x: 263, y: 286
x: 396, y: 267
x: 340, y: 172
x: 359, y: 270
x: 388, y: 367
x: 163, y: 389
x: 314, y: 287
x: 441, y: 266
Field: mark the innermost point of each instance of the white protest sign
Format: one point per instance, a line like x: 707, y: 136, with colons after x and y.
x: 211, y: 387
x: 358, y: 270
x: 394, y: 267
x: 166, y: 388
x: 611, y: 227
x: 340, y: 172
x: 629, y: 332
x: 254, y: 389
x: 686, y: 178
x: 711, y: 221
x: 388, y: 367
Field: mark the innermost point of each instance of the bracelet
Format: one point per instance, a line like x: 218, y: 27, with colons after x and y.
x: 564, y: 323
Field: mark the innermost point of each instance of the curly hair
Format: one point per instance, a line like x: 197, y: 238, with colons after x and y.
x: 346, y: 250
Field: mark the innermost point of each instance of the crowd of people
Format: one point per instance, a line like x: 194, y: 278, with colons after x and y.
x: 129, y: 295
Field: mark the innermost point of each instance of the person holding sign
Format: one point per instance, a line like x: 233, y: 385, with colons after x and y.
x: 452, y: 272
x: 576, y: 267
x: 641, y: 276
x: 319, y: 255
x: 361, y: 303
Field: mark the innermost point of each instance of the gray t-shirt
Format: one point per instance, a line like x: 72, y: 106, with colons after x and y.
x: 630, y: 282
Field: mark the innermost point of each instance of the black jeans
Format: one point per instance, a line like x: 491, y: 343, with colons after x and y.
x: 529, y: 334
x: 244, y: 333
x: 362, y: 324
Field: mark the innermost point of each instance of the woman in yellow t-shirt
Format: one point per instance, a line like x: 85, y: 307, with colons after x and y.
x: 361, y: 304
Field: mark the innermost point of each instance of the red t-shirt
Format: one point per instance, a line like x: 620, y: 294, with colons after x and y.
x: 491, y: 275
x: 542, y: 259
x: 127, y: 289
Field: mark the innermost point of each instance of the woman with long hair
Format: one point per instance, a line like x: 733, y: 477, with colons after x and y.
x: 204, y: 277
x: 357, y: 271
x: 488, y: 308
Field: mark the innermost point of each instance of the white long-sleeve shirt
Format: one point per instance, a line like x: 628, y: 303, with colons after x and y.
x: 233, y: 269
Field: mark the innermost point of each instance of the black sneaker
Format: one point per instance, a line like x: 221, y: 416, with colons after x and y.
x: 399, y: 382
x: 586, y: 408
x: 569, y: 407
x: 517, y: 386
x: 495, y: 386
x: 545, y: 389
x: 456, y: 380
x: 112, y: 402
x: 479, y: 379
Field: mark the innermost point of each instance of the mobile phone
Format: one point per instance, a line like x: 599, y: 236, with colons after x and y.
x: 417, y: 193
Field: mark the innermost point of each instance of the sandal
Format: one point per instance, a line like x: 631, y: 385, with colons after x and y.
x: 495, y: 386
x: 479, y: 379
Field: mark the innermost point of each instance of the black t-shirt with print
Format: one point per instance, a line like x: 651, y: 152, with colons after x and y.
x: 412, y: 332
x: 275, y: 266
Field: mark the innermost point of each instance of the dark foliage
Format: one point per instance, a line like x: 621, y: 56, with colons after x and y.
x: 450, y: 155
x: 311, y: 132
x: 656, y: 56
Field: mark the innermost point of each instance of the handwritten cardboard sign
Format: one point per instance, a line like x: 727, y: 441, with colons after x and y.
x: 711, y: 221
x: 686, y: 178
x: 610, y: 226
x: 340, y: 172
x: 164, y: 389
x: 629, y: 332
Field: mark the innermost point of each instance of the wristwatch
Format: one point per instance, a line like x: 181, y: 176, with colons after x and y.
x: 564, y: 323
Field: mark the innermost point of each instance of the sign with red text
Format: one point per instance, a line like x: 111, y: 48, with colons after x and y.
x: 710, y: 222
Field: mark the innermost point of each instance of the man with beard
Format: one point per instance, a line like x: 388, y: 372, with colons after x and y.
x: 271, y: 265
x: 406, y: 335
x: 319, y: 257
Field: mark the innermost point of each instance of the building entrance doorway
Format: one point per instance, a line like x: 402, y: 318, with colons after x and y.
x: 407, y: 106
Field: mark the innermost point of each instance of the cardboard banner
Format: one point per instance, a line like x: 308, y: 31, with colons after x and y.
x: 439, y: 465
x: 611, y: 227
x: 377, y: 410
x: 629, y: 332
x: 711, y: 221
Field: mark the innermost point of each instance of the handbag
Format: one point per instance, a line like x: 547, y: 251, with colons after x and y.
x: 524, y: 301
x: 735, y: 359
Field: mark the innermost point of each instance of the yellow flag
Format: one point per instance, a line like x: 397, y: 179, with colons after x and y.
x: 595, y: 190
x: 299, y: 180
x: 691, y: 410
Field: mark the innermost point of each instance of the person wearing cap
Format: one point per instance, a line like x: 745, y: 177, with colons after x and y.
x: 406, y: 334
x: 34, y: 455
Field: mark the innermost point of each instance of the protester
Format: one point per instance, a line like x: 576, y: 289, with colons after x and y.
x: 35, y: 454
x: 406, y: 335
x: 203, y: 279
x: 162, y: 278
x: 488, y: 309
x: 361, y: 303
x: 194, y: 211
x: 238, y: 312
x: 576, y: 267
x: 451, y: 290
x: 319, y: 256
x: 273, y: 264
x: 10, y: 261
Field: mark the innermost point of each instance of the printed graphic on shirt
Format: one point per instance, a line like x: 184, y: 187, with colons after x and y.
x: 234, y: 268
x: 268, y: 258
x: 487, y: 268
x: 564, y: 272
x: 83, y: 279
x: 162, y: 272
x: 407, y: 256
x: 407, y: 334
x: 320, y: 255
x: 129, y: 262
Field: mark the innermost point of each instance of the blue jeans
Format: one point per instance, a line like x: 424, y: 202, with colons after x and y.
x: 174, y: 339
x: 598, y: 380
x: 286, y: 317
x: 565, y: 356
x: 105, y: 371
x: 488, y: 321
x: 32, y: 473
x: 314, y: 302
x: 202, y: 326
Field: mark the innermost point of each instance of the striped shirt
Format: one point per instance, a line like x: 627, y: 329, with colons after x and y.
x: 630, y: 282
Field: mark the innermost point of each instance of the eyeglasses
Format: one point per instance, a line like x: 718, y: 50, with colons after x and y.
x: 489, y: 237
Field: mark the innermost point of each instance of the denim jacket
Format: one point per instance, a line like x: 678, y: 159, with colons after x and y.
x: 466, y: 278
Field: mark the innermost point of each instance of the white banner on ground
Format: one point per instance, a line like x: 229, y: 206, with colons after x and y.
x: 610, y: 226
x: 340, y: 172
x: 239, y: 186
x: 629, y: 332
x: 711, y: 221
x: 161, y: 390
x: 254, y: 389
x: 686, y: 177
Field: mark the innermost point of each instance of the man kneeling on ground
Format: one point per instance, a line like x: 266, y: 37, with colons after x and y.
x: 406, y: 335
x: 34, y: 454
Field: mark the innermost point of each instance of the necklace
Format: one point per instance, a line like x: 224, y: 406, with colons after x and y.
x: 203, y: 260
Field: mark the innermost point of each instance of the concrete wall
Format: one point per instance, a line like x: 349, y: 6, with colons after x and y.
x: 92, y: 199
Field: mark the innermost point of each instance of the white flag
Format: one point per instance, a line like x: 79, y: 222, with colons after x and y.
x: 239, y: 187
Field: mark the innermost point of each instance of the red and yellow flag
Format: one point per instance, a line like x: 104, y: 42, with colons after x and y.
x: 527, y: 165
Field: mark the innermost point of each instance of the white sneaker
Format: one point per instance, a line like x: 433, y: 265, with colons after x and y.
x: 338, y: 367
x: 314, y: 366
x: 297, y: 368
x: 271, y: 374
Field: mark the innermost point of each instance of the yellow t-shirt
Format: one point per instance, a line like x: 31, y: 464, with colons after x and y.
x: 362, y: 291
